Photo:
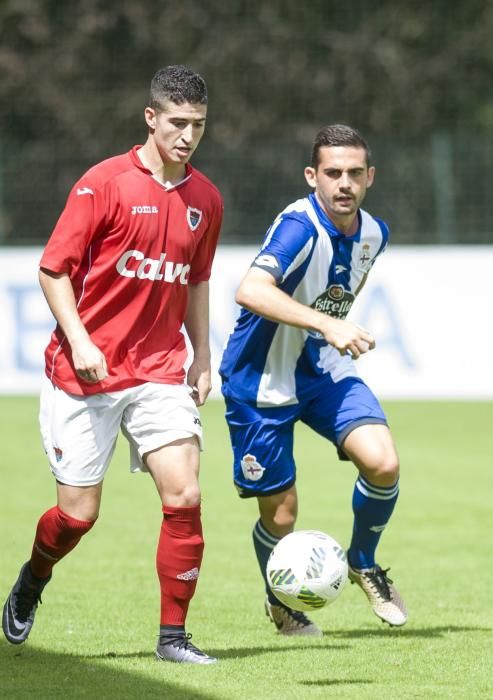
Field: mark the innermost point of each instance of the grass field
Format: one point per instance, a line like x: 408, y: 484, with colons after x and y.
x: 96, y: 631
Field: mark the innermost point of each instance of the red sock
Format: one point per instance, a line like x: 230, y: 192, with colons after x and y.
x: 178, y: 559
x: 56, y: 535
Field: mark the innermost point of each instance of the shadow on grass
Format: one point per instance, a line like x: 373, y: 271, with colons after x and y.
x: 335, y: 681
x: 245, y: 652
x: 232, y: 652
x: 28, y: 673
x: 329, y: 642
x: 406, y: 632
x: 331, y: 639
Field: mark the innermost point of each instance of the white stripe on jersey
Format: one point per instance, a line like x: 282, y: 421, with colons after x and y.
x: 299, y: 259
x: 278, y: 382
x: 298, y: 206
x: 373, y: 239
x: 338, y: 366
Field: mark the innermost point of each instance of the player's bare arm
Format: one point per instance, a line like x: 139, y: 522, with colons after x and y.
x: 89, y: 361
x: 259, y: 293
x: 197, y: 327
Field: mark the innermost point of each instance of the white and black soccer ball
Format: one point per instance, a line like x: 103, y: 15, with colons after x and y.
x: 307, y: 570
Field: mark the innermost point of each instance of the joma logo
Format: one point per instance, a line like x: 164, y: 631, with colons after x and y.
x: 145, y: 209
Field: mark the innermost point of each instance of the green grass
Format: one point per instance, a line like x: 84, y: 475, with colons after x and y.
x: 95, y: 633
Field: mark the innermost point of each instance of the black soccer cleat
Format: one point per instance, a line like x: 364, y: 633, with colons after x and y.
x: 180, y: 649
x: 20, y: 607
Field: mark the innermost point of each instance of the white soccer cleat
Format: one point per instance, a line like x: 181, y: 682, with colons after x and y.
x: 291, y: 622
x: 384, y: 598
x: 179, y: 649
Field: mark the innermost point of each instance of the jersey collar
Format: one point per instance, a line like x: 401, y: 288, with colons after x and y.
x: 329, y: 225
x: 138, y: 164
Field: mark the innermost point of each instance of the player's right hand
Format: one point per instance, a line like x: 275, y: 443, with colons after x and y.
x: 348, y: 338
x: 89, y: 361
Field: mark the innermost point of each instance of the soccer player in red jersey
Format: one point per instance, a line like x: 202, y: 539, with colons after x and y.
x: 126, y: 267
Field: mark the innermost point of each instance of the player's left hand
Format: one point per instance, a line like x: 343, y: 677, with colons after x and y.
x: 199, y: 380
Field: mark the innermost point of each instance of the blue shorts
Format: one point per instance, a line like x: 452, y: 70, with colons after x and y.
x: 262, y: 438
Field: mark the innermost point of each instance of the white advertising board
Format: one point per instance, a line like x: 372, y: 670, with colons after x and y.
x: 427, y: 307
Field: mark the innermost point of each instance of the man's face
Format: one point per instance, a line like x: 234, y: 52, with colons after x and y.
x: 340, y: 180
x: 176, y: 130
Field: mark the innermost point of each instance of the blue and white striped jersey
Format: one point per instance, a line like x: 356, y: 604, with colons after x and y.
x: 272, y: 364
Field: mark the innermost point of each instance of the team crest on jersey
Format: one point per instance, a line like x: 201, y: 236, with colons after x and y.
x: 252, y: 470
x: 365, y: 260
x: 194, y: 217
x: 336, y: 291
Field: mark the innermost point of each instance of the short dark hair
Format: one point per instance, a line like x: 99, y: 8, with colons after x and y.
x: 338, y: 135
x: 177, y: 84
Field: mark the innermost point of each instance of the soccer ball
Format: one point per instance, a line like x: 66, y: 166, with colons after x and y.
x: 307, y: 570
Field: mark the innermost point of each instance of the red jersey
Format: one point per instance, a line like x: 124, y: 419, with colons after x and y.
x: 131, y: 247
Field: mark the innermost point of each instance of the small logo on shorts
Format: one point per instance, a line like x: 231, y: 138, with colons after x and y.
x: 252, y: 470
x: 58, y: 453
x: 196, y: 420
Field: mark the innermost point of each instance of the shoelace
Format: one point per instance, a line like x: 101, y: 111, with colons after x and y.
x: 299, y: 617
x: 180, y: 641
x: 26, y: 599
x: 380, y: 581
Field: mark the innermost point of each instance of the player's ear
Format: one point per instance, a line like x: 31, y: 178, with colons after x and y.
x: 371, y: 176
x: 150, y: 117
x: 310, y: 176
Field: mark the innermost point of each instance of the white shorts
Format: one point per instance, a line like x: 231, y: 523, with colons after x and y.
x: 79, y: 432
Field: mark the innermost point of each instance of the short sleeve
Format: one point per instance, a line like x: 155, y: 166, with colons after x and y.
x: 385, y: 236
x: 287, y: 244
x: 204, y: 254
x: 80, y: 222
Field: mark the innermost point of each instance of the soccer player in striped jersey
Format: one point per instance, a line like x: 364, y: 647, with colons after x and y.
x: 291, y: 357
x: 126, y: 267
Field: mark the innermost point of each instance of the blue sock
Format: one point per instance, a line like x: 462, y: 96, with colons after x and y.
x: 264, y: 543
x: 372, y: 508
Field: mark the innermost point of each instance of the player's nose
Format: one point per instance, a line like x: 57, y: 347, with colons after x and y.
x: 344, y: 181
x: 187, y: 134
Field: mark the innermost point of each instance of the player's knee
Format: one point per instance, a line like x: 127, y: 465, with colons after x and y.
x: 278, y: 512
x: 389, y: 473
x: 76, y: 523
x: 282, y: 522
x: 186, y: 497
x: 93, y: 516
x: 385, y: 471
x: 86, y: 512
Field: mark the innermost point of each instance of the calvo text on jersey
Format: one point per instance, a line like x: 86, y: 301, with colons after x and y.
x: 133, y: 263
